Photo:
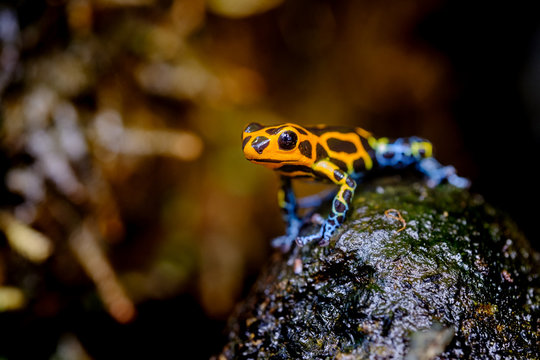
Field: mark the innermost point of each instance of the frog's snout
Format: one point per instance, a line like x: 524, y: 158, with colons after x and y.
x: 253, y: 144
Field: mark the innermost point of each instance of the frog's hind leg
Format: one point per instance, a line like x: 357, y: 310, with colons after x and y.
x: 414, y: 151
x: 436, y: 173
x: 316, y: 200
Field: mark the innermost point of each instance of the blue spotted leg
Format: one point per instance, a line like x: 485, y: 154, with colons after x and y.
x: 405, y: 152
x: 340, y: 204
x: 289, y: 206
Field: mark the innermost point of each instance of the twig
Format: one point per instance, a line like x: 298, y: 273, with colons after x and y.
x: 400, y: 218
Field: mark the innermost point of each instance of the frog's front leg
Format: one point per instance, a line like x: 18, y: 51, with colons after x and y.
x: 340, y: 204
x: 287, y: 203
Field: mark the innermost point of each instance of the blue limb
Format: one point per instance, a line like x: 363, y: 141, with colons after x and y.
x: 404, y: 152
x: 303, y: 240
x: 437, y: 173
x: 316, y: 200
x: 285, y: 242
x: 340, y: 205
x: 287, y: 203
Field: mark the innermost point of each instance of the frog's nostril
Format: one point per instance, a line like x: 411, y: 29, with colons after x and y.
x: 260, y: 143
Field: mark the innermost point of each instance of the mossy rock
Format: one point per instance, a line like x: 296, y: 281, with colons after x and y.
x: 459, y: 281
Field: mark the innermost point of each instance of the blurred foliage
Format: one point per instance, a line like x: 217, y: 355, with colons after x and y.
x: 121, y: 119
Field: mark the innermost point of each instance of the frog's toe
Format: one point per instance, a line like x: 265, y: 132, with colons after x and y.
x: 303, y: 240
x: 324, y: 241
x: 328, y: 233
x: 282, y: 243
x: 458, y: 181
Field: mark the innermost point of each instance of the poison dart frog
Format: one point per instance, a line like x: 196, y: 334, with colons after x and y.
x: 339, y: 155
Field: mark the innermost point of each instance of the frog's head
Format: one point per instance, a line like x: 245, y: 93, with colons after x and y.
x: 273, y: 146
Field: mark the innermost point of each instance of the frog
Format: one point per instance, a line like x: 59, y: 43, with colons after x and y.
x: 340, y: 155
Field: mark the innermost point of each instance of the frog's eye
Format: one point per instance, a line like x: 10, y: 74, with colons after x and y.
x: 287, y: 140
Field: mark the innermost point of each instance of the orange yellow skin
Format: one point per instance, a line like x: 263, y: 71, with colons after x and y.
x: 295, y: 157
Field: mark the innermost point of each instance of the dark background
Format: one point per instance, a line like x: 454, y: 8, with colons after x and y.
x: 465, y: 75
x: 494, y: 52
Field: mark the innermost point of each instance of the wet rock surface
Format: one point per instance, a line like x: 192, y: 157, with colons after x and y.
x: 459, y: 281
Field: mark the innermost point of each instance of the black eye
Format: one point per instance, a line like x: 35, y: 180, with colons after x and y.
x: 287, y: 140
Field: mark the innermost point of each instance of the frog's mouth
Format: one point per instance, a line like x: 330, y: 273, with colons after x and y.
x: 269, y: 160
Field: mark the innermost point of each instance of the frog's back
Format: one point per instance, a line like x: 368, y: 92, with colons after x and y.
x: 347, y: 147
